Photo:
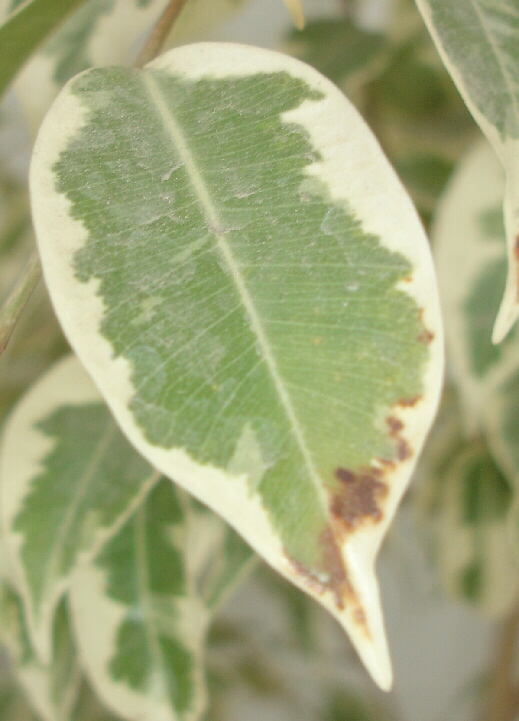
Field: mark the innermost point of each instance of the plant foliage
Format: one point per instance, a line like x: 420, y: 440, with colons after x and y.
x: 232, y: 241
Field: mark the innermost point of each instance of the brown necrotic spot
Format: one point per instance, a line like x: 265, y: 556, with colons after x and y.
x: 409, y: 402
x: 357, y: 497
x: 403, y: 451
x: 425, y: 335
x: 334, y: 578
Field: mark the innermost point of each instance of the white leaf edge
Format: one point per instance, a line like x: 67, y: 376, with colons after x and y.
x: 22, y: 451
x: 334, y: 127
x: 507, y: 151
x: 96, y: 620
x: 456, y: 545
x: 461, y: 252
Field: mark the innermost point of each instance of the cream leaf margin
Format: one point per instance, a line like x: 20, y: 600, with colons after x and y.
x: 349, y: 153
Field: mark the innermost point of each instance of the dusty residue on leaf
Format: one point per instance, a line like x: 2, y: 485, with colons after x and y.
x: 516, y: 259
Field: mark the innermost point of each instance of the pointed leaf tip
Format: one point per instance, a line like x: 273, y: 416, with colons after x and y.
x: 295, y: 8
x: 509, y: 309
x: 244, y: 331
x: 490, y: 88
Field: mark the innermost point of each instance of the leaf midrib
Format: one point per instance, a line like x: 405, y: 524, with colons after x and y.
x: 174, y: 130
x: 146, y: 602
x: 51, y: 566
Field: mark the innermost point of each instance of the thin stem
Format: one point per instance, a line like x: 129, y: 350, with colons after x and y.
x: 503, y: 695
x: 160, y: 32
x: 17, y: 299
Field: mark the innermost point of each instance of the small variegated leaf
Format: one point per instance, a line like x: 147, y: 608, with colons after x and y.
x: 25, y: 26
x: 477, y: 40
x: 69, y: 479
x: 470, y: 250
x: 237, y: 265
x: 139, y: 619
x: 476, y: 560
x: 51, y: 688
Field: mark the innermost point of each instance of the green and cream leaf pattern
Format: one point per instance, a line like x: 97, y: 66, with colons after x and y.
x: 238, y: 267
x: 466, y: 504
x: 101, y: 32
x: 477, y: 40
x: 475, y: 555
x: 52, y: 687
x: 139, y: 622
x: 470, y: 251
x: 24, y: 28
x: 69, y: 480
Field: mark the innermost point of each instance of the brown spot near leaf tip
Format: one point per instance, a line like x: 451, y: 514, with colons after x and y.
x: 333, y: 576
x: 403, y: 451
x: 334, y: 563
x: 337, y: 582
x: 357, y: 497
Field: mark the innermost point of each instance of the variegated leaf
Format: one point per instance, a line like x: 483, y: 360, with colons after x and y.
x: 238, y: 267
x: 102, y: 32
x: 51, y: 688
x: 24, y: 27
x: 476, y: 558
x: 466, y: 506
x: 68, y: 480
x: 469, y: 246
x: 107, y: 32
x: 142, y: 608
x: 477, y: 40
